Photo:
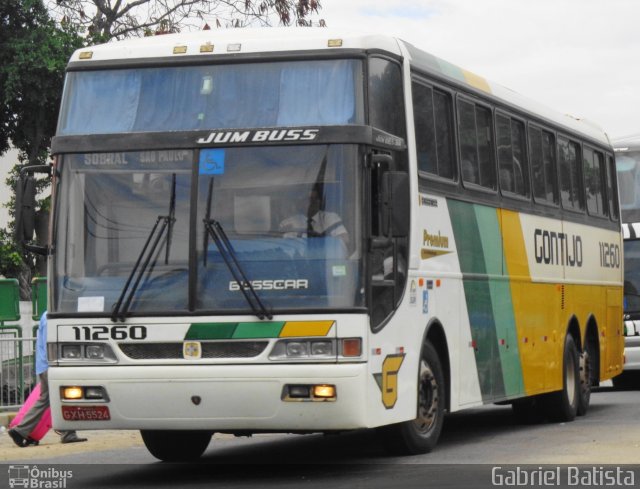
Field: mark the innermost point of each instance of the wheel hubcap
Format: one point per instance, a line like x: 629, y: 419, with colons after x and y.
x: 570, y: 379
x: 585, y: 372
x: 428, y: 400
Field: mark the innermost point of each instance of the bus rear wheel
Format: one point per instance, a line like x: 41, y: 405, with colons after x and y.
x: 421, y: 434
x: 587, y: 373
x: 176, y: 446
x: 563, y: 405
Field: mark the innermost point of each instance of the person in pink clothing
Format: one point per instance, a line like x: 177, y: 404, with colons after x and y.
x: 20, y: 434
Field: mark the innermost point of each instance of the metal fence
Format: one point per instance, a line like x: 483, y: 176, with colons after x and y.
x: 18, y: 326
x: 17, y: 370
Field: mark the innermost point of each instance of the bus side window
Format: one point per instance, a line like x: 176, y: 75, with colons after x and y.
x: 433, y: 116
x: 512, y: 160
x: 550, y: 170
x: 570, y: 181
x: 386, y: 100
x: 593, y: 180
x: 543, y: 164
x: 476, y: 144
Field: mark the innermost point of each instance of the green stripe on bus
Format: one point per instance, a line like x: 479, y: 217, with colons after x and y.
x: 501, y: 303
x: 258, y: 330
x: 210, y: 331
x: 221, y: 331
x: 503, y: 313
x: 477, y: 258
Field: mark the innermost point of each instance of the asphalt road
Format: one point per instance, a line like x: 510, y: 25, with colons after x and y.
x: 476, y: 441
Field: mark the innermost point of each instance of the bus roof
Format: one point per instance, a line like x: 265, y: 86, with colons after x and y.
x: 231, y: 42
x: 629, y: 142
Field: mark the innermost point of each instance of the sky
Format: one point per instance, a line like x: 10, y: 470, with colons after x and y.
x: 578, y: 57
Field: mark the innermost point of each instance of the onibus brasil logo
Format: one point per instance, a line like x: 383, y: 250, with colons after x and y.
x: 34, y: 477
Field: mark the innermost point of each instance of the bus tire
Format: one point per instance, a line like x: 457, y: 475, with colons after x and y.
x: 586, y: 378
x: 176, y: 446
x: 421, y: 434
x: 562, y: 406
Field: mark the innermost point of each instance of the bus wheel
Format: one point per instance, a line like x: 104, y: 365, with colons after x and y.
x: 563, y: 405
x: 176, y: 446
x: 586, y: 379
x: 421, y: 434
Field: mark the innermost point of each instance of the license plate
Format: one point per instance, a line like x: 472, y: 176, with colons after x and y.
x: 85, y: 413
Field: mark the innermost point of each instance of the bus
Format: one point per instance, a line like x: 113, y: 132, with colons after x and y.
x: 298, y: 231
x: 627, y: 151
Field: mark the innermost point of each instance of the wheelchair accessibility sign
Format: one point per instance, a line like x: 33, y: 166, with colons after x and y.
x: 211, y: 162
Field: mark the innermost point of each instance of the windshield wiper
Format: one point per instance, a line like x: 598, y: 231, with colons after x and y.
x: 216, y: 231
x: 171, y: 218
x: 162, y: 224
x: 205, y: 244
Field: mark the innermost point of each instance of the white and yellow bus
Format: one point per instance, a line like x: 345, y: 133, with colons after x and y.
x: 307, y: 231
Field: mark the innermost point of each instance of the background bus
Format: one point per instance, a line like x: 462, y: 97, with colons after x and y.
x: 309, y: 231
x: 628, y: 165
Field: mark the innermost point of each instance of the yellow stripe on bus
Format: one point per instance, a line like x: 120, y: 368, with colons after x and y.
x: 528, y: 300
x: 476, y: 81
x: 306, y: 328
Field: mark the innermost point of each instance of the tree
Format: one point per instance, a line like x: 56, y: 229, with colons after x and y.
x: 32, y: 60
x: 103, y: 20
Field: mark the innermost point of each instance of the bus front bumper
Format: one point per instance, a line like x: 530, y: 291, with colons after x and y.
x: 631, y: 353
x: 228, y: 398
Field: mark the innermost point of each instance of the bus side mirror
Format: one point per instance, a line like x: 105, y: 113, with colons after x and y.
x: 395, y: 204
x: 25, y: 209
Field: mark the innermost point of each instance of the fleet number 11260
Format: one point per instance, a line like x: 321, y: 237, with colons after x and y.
x: 104, y: 333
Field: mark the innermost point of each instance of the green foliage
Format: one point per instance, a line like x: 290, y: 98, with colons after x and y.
x: 10, y: 256
x: 32, y: 61
x: 102, y: 21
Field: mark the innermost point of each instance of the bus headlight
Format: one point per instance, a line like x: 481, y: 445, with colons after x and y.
x: 304, y: 349
x: 78, y: 352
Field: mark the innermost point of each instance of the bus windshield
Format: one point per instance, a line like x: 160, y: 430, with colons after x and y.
x: 631, y: 276
x: 628, y: 168
x: 290, y: 215
x: 188, y: 98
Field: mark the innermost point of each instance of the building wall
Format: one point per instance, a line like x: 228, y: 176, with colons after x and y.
x: 7, y: 161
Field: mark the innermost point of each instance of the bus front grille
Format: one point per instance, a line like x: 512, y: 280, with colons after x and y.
x: 163, y: 351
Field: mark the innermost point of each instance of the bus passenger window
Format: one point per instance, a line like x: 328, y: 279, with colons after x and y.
x: 505, y: 154
x: 537, y: 165
x: 425, y: 133
x: 593, y: 180
x: 432, y: 112
x: 444, y: 134
x: 549, y: 162
x: 570, y: 185
x: 386, y: 101
x: 512, y: 161
x: 476, y: 145
x: 468, y: 142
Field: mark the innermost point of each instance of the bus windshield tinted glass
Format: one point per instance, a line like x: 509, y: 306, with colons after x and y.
x: 323, y: 92
x: 632, y: 276
x: 290, y: 215
x: 628, y: 167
